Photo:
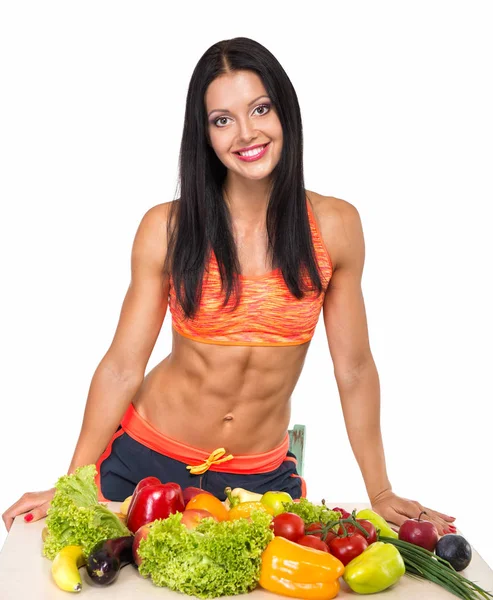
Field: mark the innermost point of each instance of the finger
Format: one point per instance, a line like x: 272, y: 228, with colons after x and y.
x: 37, y: 513
x: 432, y: 516
x: 445, y: 517
x: 7, y: 521
x: 16, y: 509
x: 23, y: 505
x: 442, y: 526
x: 9, y: 517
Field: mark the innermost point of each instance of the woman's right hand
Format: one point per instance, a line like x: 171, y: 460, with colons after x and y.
x: 32, y: 503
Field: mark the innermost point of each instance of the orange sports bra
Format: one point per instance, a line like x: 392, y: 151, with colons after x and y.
x: 267, y: 314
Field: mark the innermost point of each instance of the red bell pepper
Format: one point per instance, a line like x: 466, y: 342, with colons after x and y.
x: 142, y: 483
x: 154, y: 501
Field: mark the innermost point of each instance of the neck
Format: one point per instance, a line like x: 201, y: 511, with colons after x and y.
x: 247, y: 199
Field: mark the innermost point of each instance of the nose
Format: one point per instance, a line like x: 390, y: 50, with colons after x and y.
x: 246, y: 131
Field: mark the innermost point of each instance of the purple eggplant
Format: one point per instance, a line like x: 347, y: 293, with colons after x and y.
x: 104, y: 563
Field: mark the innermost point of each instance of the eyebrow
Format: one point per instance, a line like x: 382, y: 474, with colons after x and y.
x: 227, y: 111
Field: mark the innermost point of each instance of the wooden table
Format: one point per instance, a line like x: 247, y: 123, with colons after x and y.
x: 25, y: 574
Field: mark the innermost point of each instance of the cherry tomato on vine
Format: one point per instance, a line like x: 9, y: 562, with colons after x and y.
x: 370, y: 528
x: 347, y: 548
x: 289, y: 526
x: 329, y: 537
x: 313, y: 542
x: 315, y: 530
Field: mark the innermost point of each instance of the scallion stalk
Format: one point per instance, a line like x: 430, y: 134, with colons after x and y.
x: 439, y: 579
x: 424, y: 564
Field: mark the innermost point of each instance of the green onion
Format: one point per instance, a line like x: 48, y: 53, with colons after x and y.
x: 423, y: 564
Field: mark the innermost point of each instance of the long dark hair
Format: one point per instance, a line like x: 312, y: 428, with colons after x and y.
x: 201, y: 219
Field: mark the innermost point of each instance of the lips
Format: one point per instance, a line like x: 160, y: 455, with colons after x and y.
x: 251, y: 148
x: 254, y: 157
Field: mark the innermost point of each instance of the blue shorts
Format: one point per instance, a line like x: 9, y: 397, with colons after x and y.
x: 132, y: 455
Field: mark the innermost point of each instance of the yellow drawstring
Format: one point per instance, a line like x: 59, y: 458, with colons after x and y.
x: 214, y: 459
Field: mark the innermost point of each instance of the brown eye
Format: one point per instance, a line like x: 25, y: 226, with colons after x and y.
x: 220, y: 119
x: 219, y: 122
x: 264, y: 106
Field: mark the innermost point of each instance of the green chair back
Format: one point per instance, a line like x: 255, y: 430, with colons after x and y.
x: 297, y: 445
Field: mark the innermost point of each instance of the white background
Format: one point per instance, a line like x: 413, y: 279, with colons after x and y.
x: 396, y: 103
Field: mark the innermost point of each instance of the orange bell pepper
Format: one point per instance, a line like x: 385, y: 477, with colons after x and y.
x: 289, y: 569
x: 245, y: 509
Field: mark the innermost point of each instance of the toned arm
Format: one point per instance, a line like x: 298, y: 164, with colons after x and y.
x: 347, y: 335
x: 122, y: 369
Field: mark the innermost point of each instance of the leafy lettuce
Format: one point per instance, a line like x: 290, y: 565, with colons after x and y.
x: 214, y: 559
x: 76, y: 517
x: 311, y: 513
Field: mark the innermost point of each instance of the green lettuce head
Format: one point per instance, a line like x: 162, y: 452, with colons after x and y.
x: 75, y: 516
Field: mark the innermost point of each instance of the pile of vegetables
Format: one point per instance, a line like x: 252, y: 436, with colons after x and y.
x: 191, y: 542
x: 366, y: 565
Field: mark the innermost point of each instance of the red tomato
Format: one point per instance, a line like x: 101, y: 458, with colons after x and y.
x: 329, y: 537
x: 347, y: 548
x: 289, y: 526
x: 313, y: 542
x: 313, y: 528
x: 352, y: 529
x: 317, y: 527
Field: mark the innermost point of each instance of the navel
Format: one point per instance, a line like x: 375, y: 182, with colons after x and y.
x: 228, y: 418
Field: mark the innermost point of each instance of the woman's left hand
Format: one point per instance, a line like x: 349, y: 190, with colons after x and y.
x: 395, y: 509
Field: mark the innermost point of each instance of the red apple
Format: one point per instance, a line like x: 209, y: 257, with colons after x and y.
x: 192, y: 517
x: 190, y: 492
x: 140, y: 535
x: 419, y: 533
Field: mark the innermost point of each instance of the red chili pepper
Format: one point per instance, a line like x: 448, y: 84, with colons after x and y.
x: 154, y: 501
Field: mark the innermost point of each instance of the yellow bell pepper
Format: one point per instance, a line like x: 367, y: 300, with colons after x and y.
x: 290, y: 569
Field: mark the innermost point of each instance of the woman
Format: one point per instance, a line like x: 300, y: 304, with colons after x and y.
x: 245, y: 260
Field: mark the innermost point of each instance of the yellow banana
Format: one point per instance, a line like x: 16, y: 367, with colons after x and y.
x: 65, y: 568
x: 124, y: 505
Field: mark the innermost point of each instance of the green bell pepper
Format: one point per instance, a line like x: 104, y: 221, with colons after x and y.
x: 375, y: 569
x: 378, y: 521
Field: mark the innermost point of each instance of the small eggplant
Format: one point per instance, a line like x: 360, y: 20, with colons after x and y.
x: 104, y: 562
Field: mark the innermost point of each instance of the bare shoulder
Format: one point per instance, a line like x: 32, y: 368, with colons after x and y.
x: 151, y: 239
x: 339, y: 224
x: 329, y: 208
x: 157, y: 216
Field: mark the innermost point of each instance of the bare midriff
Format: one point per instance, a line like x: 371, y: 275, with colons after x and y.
x: 213, y: 396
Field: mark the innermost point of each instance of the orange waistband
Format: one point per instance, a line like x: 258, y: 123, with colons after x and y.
x: 199, y: 460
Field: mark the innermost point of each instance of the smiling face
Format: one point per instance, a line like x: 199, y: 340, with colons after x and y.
x: 240, y: 114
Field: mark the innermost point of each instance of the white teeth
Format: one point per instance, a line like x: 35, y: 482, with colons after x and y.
x: 253, y: 152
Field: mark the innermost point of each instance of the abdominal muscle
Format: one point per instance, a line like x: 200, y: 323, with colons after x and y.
x: 216, y: 396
